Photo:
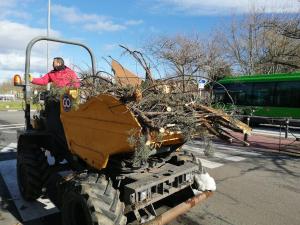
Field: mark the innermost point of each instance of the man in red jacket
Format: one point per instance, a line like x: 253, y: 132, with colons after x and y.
x: 60, y: 76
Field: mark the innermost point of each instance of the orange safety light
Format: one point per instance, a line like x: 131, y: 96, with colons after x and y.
x: 17, y: 80
x: 73, y: 93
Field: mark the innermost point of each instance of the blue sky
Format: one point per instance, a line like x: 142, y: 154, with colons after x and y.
x: 103, y: 25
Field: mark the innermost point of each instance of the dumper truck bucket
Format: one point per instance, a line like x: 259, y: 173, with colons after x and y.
x: 123, y: 76
x: 101, y: 127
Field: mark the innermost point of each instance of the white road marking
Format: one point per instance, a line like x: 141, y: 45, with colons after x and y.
x: 235, y: 149
x: 216, y: 154
x: 13, y: 127
x: 27, y: 210
x: 235, y: 158
x: 12, y: 147
x: 233, y: 153
x: 9, y: 132
x: 210, y: 164
x: 228, y: 157
x: 10, y: 125
x: 196, y: 142
x: 193, y: 149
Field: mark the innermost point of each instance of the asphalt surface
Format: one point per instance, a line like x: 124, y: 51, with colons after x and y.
x: 262, y: 189
x: 9, y: 122
x: 253, y: 187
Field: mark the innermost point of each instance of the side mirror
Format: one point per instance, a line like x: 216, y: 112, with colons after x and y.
x: 17, y: 80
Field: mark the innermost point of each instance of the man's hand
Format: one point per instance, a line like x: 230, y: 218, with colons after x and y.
x: 30, y: 78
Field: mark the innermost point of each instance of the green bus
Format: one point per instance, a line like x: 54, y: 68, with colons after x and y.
x: 271, y: 96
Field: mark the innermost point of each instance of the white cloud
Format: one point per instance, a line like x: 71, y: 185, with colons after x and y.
x: 73, y: 16
x: 104, y: 26
x: 14, y: 38
x: 223, y: 7
x: 110, y: 47
x: 91, y: 22
x: 16, y: 62
x: 10, y: 3
x: 12, y: 9
x: 133, y: 22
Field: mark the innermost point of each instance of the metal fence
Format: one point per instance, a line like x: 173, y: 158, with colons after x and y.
x: 284, y: 125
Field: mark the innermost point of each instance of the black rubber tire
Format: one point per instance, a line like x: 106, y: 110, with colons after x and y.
x: 92, y: 201
x: 32, y: 171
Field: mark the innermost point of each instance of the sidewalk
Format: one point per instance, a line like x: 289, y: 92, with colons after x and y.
x: 270, y: 143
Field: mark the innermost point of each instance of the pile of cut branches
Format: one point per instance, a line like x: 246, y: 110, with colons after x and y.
x: 164, y: 106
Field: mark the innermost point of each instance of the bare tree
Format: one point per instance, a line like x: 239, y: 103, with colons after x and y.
x: 286, y: 26
x: 283, y: 41
x: 243, y: 43
x: 215, y: 65
x: 188, y: 55
x: 7, y: 87
x: 184, y: 55
x: 282, y: 54
x: 256, y: 44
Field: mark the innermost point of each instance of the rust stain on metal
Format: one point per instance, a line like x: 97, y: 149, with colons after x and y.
x: 171, y: 214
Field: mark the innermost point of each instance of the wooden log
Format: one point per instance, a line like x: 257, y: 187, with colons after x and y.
x: 229, y: 134
x: 229, y: 126
x: 216, y: 133
x: 143, y: 119
x: 219, y: 113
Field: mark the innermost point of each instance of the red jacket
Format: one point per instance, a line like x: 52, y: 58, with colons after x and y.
x: 61, y: 78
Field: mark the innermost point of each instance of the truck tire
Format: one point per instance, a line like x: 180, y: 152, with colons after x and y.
x: 32, y: 169
x: 92, y: 201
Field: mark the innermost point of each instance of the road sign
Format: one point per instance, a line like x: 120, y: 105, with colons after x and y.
x: 202, y: 83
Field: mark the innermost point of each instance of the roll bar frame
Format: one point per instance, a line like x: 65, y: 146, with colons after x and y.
x: 27, y: 87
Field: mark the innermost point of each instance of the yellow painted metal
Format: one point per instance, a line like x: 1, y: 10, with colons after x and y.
x: 123, y: 76
x: 100, y: 128
x: 172, y: 139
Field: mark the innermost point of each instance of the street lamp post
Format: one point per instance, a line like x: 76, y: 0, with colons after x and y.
x: 48, y: 34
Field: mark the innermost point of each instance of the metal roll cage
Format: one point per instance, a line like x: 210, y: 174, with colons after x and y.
x: 27, y: 87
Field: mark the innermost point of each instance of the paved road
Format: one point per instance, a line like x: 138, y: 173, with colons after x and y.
x: 8, y: 126
x: 259, y: 189
x: 253, y: 187
x: 11, y: 117
x: 9, y: 123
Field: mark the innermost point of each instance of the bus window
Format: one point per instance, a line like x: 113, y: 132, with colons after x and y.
x: 262, y: 94
x: 240, y: 93
x: 287, y: 94
x: 220, y: 94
